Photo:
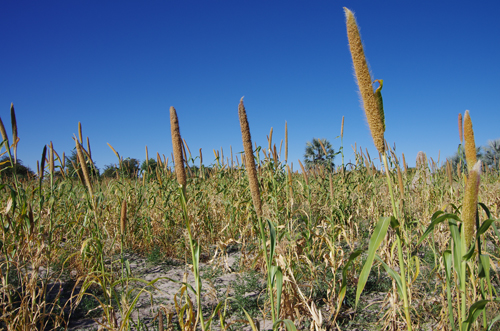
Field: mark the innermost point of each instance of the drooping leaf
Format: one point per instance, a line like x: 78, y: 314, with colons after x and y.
x: 380, y: 103
x: 272, y: 236
x: 393, y: 274
x: 288, y: 324
x: 435, y: 220
x: 474, y: 311
x: 343, y: 287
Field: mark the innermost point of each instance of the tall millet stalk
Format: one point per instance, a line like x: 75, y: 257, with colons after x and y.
x: 254, y: 190
x: 181, y: 179
x: 374, y: 111
x: 177, y: 147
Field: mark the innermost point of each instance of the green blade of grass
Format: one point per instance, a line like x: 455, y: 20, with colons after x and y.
x: 375, y: 241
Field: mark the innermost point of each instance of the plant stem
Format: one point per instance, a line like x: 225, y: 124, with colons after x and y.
x: 268, y: 266
x: 400, y: 249
x: 194, y: 256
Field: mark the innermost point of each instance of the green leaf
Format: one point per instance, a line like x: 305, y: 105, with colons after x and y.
x: 486, y: 210
x: 127, y: 267
x: 457, y: 249
x: 469, y: 253
x: 380, y: 103
x: 485, y: 272
x: 279, y: 288
x: 343, y: 287
x: 249, y: 318
x: 393, y: 274
x: 196, y: 252
x: 447, y: 263
x: 272, y: 234
x: 436, y: 219
x: 395, y: 225
x: 288, y: 324
x: 378, y: 235
x: 208, y: 324
x: 474, y: 311
x: 493, y: 321
x: 485, y: 226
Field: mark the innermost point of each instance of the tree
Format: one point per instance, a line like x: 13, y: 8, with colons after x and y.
x: 21, y: 170
x: 110, y: 171
x: 491, y: 155
x: 129, y: 168
x: 459, y: 161
x: 315, y: 155
x: 151, y: 164
x: 72, y: 161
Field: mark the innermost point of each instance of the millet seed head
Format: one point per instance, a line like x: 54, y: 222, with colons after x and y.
x: 470, y: 145
x: 177, y: 146
x: 249, y: 159
x: 374, y: 114
x: 469, y: 207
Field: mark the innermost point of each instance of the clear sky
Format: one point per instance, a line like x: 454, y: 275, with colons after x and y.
x: 117, y: 67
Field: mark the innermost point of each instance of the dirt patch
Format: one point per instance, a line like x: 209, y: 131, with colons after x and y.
x: 219, y: 281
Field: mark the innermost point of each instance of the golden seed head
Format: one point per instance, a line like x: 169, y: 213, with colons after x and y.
x: 286, y: 142
x: 470, y: 145
x: 270, y: 139
x: 249, y: 159
x: 401, y: 185
x: 342, y: 128
x: 275, y: 156
x: 368, y: 167
x: 421, y: 161
x: 460, y: 128
x: 14, y: 130
x: 41, y: 169
x: 80, y: 132
x: 323, y: 147
x: 177, y: 146
x: 4, y: 133
x: 304, y: 173
x: 51, y: 159
x: 469, y: 207
x: 449, y: 172
x: 374, y: 114
x: 83, y: 165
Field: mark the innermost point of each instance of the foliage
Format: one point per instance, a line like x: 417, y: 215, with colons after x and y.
x: 110, y: 171
x: 315, y: 155
x: 72, y: 161
x: 6, y: 168
x: 313, y: 247
x: 129, y: 167
x: 491, y: 154
x: 149, y: 166
x: 458, y: 160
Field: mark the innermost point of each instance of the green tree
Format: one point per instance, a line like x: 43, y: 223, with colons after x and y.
x: 110, y: 171
x: 458, y: 159
x: 22, y: 171
x: 129, y: 168
x: 151, y: 164
x: 72, y: 161
x: 491, y: 155
x: 315, y: 155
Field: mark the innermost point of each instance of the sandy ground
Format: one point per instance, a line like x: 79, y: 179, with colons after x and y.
x: 162, y: 296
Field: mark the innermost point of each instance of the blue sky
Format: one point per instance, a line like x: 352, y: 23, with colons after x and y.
x: 117, y: 67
